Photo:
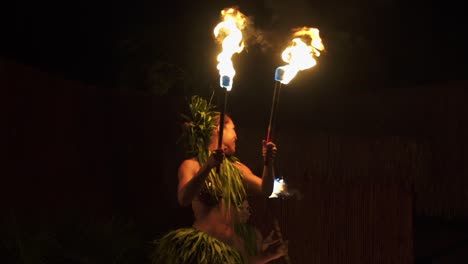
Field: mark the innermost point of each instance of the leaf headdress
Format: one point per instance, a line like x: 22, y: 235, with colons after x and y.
x: 198, y: 126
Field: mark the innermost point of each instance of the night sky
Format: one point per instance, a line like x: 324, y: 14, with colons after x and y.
x: 169, y: 48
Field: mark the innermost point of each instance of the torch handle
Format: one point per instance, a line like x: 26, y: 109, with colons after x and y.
x: 274, y: 107
x: 221, y: 124
x: 272, y: 113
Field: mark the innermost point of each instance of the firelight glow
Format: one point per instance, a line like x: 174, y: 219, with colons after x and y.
x: 229, y: 33
x: 300, y: 55
x: 279, y: 188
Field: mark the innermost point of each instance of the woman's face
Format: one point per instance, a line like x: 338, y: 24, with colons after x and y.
x: 245, y: 211
x: 229, y: 137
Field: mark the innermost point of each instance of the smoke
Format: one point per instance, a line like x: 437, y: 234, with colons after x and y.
x: 256, y: 37
x: 271, y: 23
x: 262, y: 36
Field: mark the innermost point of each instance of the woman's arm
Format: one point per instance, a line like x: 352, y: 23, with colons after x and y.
x: 265, y: 183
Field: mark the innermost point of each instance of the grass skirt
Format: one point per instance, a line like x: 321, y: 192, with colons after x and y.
x: 192, y: 246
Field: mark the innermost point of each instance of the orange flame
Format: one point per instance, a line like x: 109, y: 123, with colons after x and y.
x: 229, y: 33
x: 299, y: 54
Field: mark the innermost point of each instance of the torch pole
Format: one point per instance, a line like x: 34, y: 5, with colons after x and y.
x: 274, y: 107
x: 221, y: 119
x: 221, y: 122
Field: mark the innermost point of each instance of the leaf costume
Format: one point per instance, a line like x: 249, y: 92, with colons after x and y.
x: 192, y: 246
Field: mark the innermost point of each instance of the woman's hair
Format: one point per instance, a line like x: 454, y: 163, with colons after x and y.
x: 227, y: 118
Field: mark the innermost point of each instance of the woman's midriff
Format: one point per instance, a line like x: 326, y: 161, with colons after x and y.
x: 217, y: 222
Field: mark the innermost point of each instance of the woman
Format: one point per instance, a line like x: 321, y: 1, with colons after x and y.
x: 215, y: 183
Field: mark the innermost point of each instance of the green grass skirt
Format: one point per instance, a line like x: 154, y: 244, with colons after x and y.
x: 192, y: 246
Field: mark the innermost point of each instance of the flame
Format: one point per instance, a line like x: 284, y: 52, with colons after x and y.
x: 300, y: 55
x: 229, y: 33
x: 280, y: 188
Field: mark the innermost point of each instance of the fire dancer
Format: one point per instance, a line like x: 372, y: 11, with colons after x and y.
x: 215, y: 197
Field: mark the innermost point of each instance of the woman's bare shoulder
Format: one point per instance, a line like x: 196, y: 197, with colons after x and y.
x: 242, y: 167
x: 189, y: 163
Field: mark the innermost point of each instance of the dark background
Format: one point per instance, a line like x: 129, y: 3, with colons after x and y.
x: 126, y: 43
x: 374, y: 136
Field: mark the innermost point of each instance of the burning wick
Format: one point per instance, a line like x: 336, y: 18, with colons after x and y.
x: 229, y: 33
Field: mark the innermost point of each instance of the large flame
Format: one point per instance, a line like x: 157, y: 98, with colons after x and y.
x: 300, y: 55
x: 229, y: 33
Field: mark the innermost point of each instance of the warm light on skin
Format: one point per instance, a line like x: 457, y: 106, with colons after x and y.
x: 229, y: 33
x: 300, y: 55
